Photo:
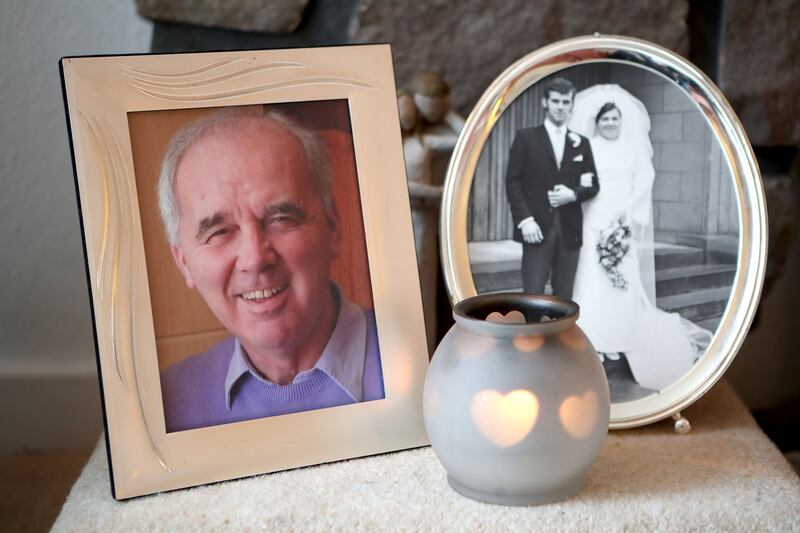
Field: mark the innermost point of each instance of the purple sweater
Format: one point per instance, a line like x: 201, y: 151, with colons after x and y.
x: 199, y: 392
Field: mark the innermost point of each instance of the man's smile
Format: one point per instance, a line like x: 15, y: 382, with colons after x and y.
x: 263, y: 294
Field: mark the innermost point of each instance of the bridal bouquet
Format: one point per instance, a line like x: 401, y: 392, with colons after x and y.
x: 612, y: 246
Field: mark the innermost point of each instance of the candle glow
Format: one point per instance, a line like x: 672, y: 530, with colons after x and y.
x: 504, y: 420
x: 528, y: 343
x: 578, y: 414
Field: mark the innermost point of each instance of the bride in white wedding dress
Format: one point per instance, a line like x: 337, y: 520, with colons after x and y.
x: 644, y: 349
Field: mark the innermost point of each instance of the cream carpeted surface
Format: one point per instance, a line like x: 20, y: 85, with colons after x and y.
x: 724, y: 475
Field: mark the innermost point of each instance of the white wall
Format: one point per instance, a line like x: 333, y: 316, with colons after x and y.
x: 44, y: 314
x: 45, y: 325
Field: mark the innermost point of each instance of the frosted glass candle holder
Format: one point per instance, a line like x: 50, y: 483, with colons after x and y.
x: 516, y: 401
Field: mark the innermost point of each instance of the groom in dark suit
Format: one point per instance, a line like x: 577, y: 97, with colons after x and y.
x: 550, y: 172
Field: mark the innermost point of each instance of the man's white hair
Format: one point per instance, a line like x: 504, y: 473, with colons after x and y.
x: 314, y: 147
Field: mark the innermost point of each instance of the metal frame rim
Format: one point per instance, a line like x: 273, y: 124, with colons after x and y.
x: 729, y: 133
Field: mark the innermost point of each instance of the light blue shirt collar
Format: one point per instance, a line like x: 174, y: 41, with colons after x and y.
x: 342, y: 360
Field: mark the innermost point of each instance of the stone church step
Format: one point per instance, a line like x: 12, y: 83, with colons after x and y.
x: 506, y: 280
x: 675, y: 255
x: 494, y: 256
x: 691, y: 278
x: 501, y: 256
x: 697, y: 305
x: 679, y: 268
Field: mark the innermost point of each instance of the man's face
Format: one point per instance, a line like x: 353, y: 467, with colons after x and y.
x: 558, y: 106
x: 254, y: 237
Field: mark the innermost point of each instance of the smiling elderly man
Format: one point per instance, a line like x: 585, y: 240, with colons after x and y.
x: 246, y: 201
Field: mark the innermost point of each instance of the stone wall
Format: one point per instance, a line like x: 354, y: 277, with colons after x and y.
x: 470, y: 42
x: 693, y: 191
x: 760, y: 70
x: 241, y: 15
x: 749, y: 48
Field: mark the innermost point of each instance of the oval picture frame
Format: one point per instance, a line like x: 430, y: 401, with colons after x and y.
x: 707, y: 205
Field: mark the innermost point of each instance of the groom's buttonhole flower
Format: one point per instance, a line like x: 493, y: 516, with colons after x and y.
x: 575, y: 138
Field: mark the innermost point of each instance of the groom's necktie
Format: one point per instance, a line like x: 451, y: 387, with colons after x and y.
x: 558, y: 145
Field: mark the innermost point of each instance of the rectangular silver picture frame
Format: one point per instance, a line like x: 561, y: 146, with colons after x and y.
x: 117, y: 108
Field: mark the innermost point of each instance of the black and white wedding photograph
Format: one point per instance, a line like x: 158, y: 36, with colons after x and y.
x: 605, y: 184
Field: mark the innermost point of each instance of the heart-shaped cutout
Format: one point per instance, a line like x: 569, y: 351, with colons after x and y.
x: 512, y: 317
x: 504, y: 420
x: 528, y: 343
x: 574, y: 339
x: 578, y: 414
x: 471, y: 345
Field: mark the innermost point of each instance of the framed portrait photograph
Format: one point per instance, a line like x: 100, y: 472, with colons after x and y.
x: 611, y: 171
x: 255, y: 297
